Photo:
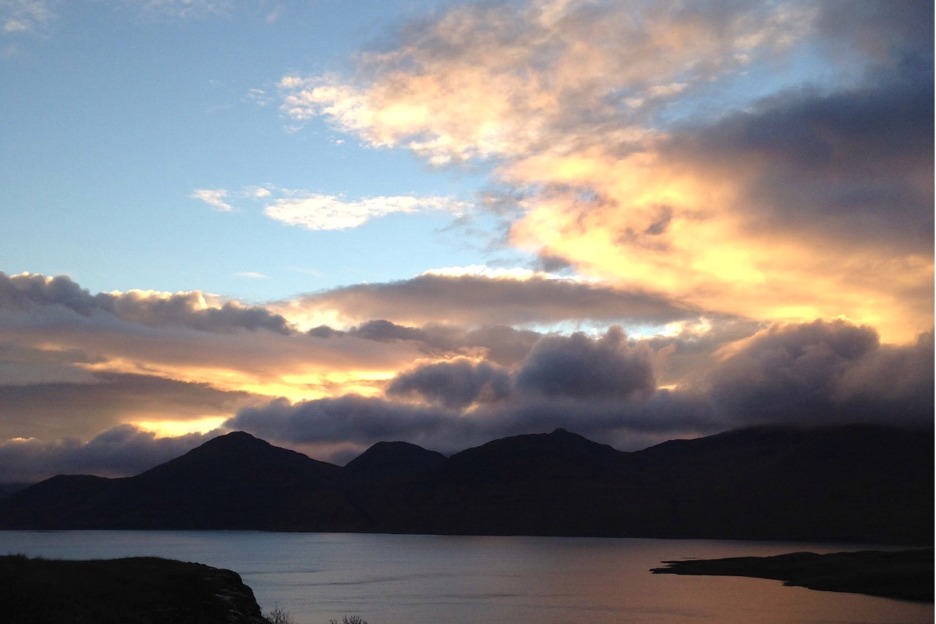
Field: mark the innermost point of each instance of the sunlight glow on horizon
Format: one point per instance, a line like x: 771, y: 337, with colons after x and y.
x: 176, y: 428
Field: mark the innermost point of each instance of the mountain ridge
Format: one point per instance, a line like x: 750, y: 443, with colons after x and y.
x: 851, y: 483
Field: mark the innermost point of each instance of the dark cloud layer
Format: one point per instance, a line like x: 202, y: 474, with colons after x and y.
x: 454, y: 384
x: 601, y: 386
x: 348, y: 419
x: 577, y: 366
x: 856, y: 165
x: 120, y: 451
x: 154, y: 310
x: 479, y: 301
x: 805, y: 374
x: 823, y: 372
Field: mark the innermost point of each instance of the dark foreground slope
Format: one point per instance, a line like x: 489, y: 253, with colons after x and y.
x: 904, y: 575
x: 858, y: 484
x: 143, y: 590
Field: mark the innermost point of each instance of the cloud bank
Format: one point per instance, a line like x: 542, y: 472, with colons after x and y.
x: 76, y: 366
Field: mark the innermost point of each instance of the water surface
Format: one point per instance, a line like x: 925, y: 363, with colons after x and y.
x: 419, y: 579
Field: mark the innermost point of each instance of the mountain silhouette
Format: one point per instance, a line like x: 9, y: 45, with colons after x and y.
x: 854, y: 483
x: 234, y: 481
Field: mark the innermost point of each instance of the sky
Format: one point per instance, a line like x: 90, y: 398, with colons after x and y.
x: 335, y: 222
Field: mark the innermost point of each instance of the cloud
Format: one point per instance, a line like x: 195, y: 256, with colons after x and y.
x: 23, y: 16
x: 187, y: 309
x: 605, y: 387
x: 350, y: 418
x: 503, y: 79
x: 498, y: 344
x: 188, y: 337
x: 602, y: 387
x: 214, y: 198
x: 338, y: 429
x: 453, y: 384
x: 576, y: 366
x: 83, y: 408
x: 683, y: 151
x: 117, y: 452
x: 822, y: 372
x: 318, y: 211
x: 75, y: 364
x: 329, y: 212
x: 472, y: 300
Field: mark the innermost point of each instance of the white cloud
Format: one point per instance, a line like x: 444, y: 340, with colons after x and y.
x: 330, y: 212
x: 507, y: 79
x: 214, y: 198
x: 20, y: 16
x: 319, y: 211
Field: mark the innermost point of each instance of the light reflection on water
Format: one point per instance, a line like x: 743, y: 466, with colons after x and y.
x: 406, y: 579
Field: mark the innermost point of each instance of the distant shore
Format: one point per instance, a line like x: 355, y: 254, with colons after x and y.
x: 902, y: 575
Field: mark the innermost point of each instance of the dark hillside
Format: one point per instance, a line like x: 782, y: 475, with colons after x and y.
x: 856, y: 484
x: 235, y: 481
x: 539, y: 484
x: 796, y: 484
x: 144, y: 590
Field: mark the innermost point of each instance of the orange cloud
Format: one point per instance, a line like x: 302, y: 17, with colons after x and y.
x: 207, y: 358
x: 691, y: 233
x: 809, y: 203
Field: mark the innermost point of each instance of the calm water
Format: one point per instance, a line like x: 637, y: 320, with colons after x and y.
x: 391, y: 579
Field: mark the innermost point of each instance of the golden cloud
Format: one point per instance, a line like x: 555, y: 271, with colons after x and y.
x: 808, y: 204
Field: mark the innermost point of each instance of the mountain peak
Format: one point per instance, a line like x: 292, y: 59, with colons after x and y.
x: 237, y: 437
x: 393, y: 458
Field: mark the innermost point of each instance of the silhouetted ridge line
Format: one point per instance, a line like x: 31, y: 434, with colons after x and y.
x: 853, y: 483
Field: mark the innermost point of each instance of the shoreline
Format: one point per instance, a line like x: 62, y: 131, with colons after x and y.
x: 900, y: 575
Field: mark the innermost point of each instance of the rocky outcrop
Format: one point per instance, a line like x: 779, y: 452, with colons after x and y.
x: 142, y: 590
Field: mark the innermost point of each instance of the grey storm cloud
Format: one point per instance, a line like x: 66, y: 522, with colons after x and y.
x: 847, y: 167
x: 454, y: 384
x: 350, y: 418
x: 116, y: 452
x: 823, y: 372
x: 480, y: 301
x: 600, y: 386
x: 879, y: 28
x: 182, y: 309
x: 352, y: 423
x: 603, y: 387
x: 577, y: 366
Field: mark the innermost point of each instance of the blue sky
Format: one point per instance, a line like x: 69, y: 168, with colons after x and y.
x: 334, y: 222
x: 114, y: 114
